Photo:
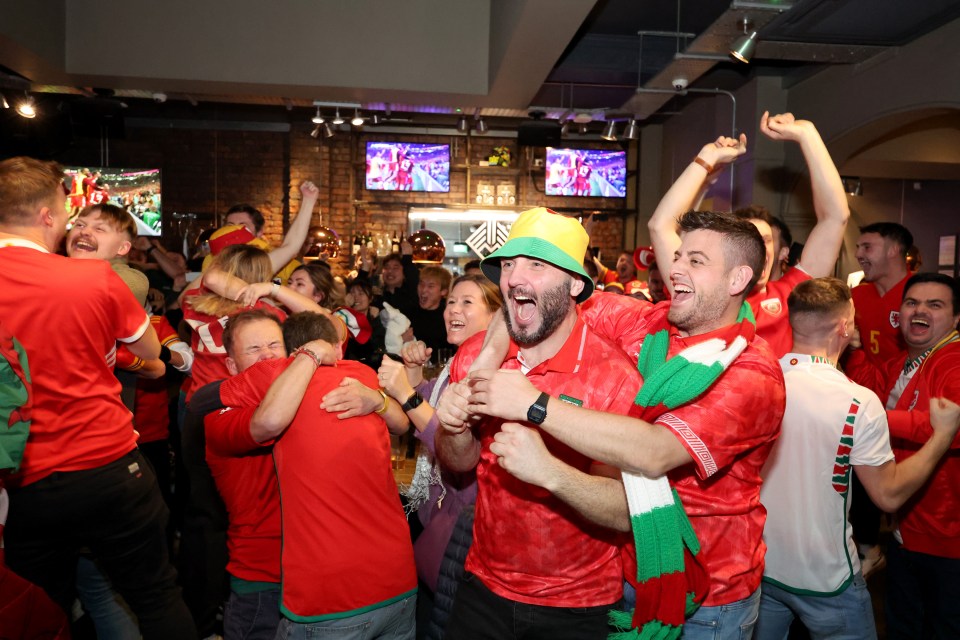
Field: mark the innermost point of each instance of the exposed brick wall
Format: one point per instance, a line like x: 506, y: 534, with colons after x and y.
x: 205, y: 172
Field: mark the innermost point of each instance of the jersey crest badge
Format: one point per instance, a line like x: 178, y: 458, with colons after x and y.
x: 773, y: 306
x: 895, y: 319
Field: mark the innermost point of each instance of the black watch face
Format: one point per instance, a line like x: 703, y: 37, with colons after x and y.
x: 537, y: 413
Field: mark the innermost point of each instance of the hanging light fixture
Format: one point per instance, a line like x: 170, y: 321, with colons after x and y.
x: 27, y: 108
x: 482, y: 125
x: 316, y: 131
x: 323, y: 241
x: 357, y: 121
x: 428, y: 246
x: 631, y: 131
x: 462, y: 125
x: 743, y: 47
x: 337, y: 119
x: 327, y: 130
x: 610, y: 131
x: 375, y: 118
x: 3, y: 101
x: 565, y: 128
x: 317, y: 119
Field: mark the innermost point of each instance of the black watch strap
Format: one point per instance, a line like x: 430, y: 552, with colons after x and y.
x: 537, y: 412
x: 412, y: 402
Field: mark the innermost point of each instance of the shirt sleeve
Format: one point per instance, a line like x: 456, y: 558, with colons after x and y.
x: 228, y: 432
x: 871, y: 438
x: 620, y: 319
x: 130, y: 319
x: 247, y: 388
x: 741, y: 411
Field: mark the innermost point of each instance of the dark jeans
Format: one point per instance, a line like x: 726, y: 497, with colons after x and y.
x: 923, y: 595
x: 203, y: 539
x: 252, y: 616
x: 115, y: 510
x: 480, y: 614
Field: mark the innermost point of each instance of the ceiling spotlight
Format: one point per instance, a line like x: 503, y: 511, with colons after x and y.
x: 357, y: 121
x: 316, y: 132
x: 482, y: 125
x: 327, y: 130
x: 317, y: 119
x: 853, y: 186
x: 375, y: 119
x: 3, y: 101
x: 743, y: 47
x: 26, y: 108
x: 632, y: 131
x: 610, y: 131
x: 462, y: 125
x: 337, y: 119
x: 565, y: 128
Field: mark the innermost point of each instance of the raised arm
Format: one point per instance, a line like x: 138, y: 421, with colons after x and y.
x: 829, y: 199
x: 299, y: 228
x: 685, y: 193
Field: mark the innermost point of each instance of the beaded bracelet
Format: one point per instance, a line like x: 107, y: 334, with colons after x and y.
x: 313, y: 356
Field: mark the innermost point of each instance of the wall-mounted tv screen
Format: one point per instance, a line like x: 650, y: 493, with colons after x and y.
x: 586, y: 172
x: 408, y: 166
x: 136, y: 190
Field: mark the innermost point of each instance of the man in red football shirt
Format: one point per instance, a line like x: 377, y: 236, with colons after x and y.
x: 545, y: 560
x: 712, y: 447
x: 769, y: 297
x: 83, y: 481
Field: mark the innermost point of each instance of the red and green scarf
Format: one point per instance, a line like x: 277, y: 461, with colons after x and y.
x: 671, y: 583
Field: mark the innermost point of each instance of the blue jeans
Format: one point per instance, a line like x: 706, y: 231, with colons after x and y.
x: 252, y: 616
x: 734, y: 621
x: 845, y: 616
x: 395, y: 621
x: 111, y: 616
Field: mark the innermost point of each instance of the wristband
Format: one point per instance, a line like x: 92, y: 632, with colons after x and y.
x: 703, y: 163
x: 165, y: 354
x: 275, y: 289
x: 313, y: 356
x: 386, y: 401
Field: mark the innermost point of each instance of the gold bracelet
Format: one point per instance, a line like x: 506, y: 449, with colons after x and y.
x: 313, y: 356
x: 386, y: 401
x: 703, y: 163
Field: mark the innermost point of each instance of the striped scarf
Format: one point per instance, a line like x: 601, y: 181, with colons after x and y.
x: 671, y: 582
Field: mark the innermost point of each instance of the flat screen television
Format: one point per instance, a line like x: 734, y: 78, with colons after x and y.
x: 136, y: 190
x: 408, y: 166
x: 596, y: 173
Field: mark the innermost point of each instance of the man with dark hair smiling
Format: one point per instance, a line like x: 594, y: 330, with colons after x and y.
x: 707, y: 414
x: 924, y: 557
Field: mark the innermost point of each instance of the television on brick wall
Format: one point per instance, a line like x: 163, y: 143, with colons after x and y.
x: 136, y: 190
x: 408, y: 166
x: 596, y: 173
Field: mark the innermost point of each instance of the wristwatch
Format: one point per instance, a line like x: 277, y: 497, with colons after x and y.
x: 537, y: 412
x: 412, y: 402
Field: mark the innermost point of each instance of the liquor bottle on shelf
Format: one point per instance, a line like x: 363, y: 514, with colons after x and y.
x: 356, y: 244
x: 395, y: 245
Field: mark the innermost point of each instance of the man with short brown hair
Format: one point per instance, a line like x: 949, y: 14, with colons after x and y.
x: 83, y: 481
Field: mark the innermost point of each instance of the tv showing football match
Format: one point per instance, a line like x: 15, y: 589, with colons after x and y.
x: 595, y: 173
x: 136, y: 190
x: 408, y: 166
